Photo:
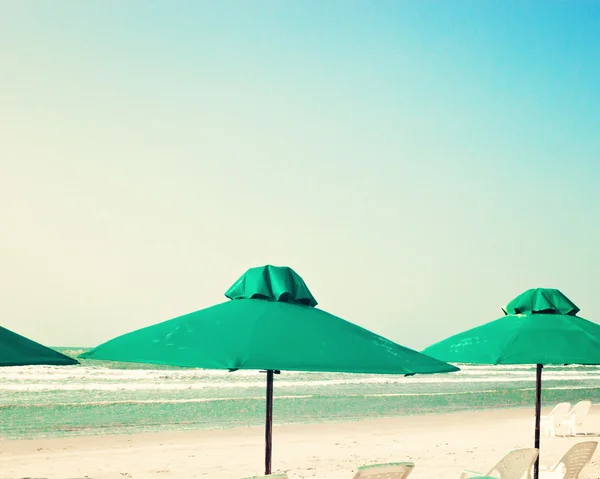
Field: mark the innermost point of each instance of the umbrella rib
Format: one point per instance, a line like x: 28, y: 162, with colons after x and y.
x: 584, y: 331
x: 508, y: 344
x: 250, y: 336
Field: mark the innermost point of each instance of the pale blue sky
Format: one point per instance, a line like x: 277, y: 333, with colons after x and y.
x: 419, y: 163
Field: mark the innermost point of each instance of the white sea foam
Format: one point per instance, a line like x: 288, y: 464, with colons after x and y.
x: 47, y: 374
x: 150, y: 401
x: 163, y: 384
x: 262, y: 398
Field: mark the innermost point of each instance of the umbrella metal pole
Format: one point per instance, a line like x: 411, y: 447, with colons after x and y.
x: 538, y: 412
x: 269, y: 423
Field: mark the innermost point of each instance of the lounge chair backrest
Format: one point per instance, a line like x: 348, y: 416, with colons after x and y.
x: 582, y: 408
x: 576, y: 458
x: 515, y: 464
x: 561, y: 409
x: 392, y: 470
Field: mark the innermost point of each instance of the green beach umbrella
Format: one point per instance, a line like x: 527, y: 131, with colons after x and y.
x: 271, y: 323
x: 540, y: 327
x: 17, y: 350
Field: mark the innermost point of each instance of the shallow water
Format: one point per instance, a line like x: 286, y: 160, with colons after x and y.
x: 102, y: 397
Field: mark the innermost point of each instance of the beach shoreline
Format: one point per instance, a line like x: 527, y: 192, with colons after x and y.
x: 441, y: 445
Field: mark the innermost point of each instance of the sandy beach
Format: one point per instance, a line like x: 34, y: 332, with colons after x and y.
x: 440, y: 445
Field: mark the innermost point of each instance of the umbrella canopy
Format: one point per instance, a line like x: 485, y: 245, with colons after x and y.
x: 17, y: 350
x: 272, y: 324
x: 540, y: 327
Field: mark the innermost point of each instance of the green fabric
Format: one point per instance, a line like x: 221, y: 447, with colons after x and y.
x: 539, y: 301
x: 535, y: 338
x: 265, y: 334
x: 274, y: 283
x: 17, y: 350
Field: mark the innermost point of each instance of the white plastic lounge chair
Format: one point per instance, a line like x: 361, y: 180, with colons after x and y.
x: 515, y: 465
x: 573, y: 423
x: 392, y: 470
x: 571, y: 464
x: 552, y: 423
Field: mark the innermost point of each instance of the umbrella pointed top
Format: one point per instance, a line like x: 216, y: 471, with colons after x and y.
x: 272, y: 283
x: 541, y: 301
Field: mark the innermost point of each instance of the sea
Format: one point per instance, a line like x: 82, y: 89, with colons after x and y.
x: 99, y: 397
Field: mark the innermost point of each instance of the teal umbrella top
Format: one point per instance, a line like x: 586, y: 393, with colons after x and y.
x: 270, y: 323
x: 541, y: 326
x: 17, y: 350
x: 273, y: 283
x: 541, y: 301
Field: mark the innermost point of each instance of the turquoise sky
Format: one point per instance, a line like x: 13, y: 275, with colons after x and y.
x: 419, y: 163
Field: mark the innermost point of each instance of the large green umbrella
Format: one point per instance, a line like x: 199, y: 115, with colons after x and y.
x: 540, y: 327
x: 17, y: 350
x: 271, y: 324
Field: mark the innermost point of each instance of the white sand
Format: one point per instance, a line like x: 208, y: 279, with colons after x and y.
x: 441, y: 446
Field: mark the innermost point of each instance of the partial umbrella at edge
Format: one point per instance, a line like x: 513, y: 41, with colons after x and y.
x: 17, y: 350
x: 272, y: 324
x: 540, y: 327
